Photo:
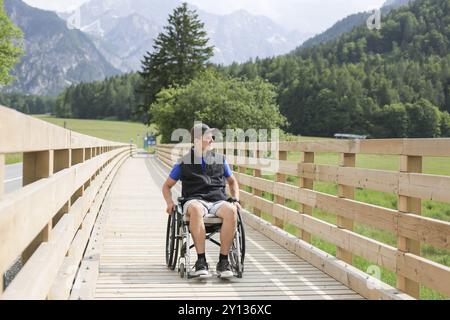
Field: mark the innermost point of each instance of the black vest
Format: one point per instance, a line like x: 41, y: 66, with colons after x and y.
x: 208, y: 185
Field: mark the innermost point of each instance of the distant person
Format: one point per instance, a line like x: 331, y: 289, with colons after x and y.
x: 204, y: 174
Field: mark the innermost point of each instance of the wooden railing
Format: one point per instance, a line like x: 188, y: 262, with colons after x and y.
x: 46, y: 224
x: 409, y: 184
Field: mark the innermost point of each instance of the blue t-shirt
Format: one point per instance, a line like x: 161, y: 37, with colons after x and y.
x: 175, y: 174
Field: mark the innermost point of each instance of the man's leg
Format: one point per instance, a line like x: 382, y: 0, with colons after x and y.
x: 228, y: 213
x: 195, y: 212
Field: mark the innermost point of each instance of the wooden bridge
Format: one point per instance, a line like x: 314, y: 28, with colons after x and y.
x: 90, y: 221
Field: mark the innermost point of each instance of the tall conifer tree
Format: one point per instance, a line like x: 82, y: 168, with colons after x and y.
x: 180, y: 52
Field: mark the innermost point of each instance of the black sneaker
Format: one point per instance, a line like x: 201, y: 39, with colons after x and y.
x: 224, y: 269
x: 201, y: 268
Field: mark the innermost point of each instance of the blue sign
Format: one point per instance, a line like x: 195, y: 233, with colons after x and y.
x: 149, y: 140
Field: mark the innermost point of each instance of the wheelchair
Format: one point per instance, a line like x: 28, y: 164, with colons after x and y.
x: 178, y: 242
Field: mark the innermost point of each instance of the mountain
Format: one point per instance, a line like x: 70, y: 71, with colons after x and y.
x: 239, y: 36
x: 55, y: 56
x: 350, y: 22
x: 123, y: 31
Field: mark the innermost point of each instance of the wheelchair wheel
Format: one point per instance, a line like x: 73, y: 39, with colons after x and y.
x: 182, y: 270
x: 172, y: 241
x: 237, y: 252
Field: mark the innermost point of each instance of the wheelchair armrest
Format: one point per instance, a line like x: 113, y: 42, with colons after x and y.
x: 180, y: 199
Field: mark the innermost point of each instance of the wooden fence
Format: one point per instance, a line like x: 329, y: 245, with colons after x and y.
x: 48, y: 222
x: 409, y: 184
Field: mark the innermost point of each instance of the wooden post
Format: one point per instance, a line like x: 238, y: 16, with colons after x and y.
x: 87, y: 153
x: 256, y: 192
x: 37, y: 165
x: 411, y: 164
x: 346, y: 160
x: 282, y: 156
x: 307, y: 157
x: 2, y: 175
x: 2, y: 190
x: 77, y: 157
x: 242, y: 153
x: 62, y: 160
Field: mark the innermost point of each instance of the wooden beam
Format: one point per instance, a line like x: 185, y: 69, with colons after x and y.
x: 367, y: 248
x: 407, y: 204
x: 36, y: 278
x: 37, y: 165
x: 20, y: 133
x: 65, y: 209
x: 307, y: 157
x: 35, y: 207
x: 350, y: 276
x: 67, y: 272
x: 346, y: 160
x: 282, y: 155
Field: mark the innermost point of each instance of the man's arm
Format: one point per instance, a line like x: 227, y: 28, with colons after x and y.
x: 167, y: 193
x: 234, y: 188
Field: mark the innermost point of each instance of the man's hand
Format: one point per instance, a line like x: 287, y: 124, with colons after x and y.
x: 237, y: 204
x: 170, y: 206
x: 168, y: 195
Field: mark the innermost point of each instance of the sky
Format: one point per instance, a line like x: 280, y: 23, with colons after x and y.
x: 306, y: 16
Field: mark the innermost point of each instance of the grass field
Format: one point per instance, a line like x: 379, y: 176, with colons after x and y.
x: 109, y: 130
x: 430, y: 209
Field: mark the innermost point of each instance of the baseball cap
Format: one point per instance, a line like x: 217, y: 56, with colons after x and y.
x: 200, y: 127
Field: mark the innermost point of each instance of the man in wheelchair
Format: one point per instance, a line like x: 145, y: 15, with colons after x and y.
x: 204, y: 175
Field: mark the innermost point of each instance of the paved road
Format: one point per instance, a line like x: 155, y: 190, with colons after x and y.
x: 13, y: 177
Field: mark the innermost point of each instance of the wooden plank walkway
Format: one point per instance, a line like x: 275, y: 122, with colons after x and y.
x: 131, y: 262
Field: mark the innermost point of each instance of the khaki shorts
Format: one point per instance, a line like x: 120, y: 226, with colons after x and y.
x: 209, y: 208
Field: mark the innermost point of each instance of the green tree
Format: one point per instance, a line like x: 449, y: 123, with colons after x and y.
x: 392, y: 121
x: 445, y: 124
x: 180, y: 53
x: 10, y: 46
x: 424, y: 119
x: 222, y: 102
